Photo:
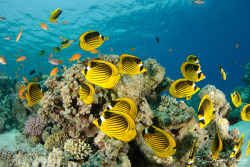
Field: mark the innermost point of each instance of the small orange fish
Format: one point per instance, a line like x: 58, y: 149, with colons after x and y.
x: 54, y: 71
x: 107, y: 38
x: 23, y: 87
x: 75, y: 57
x: 58, y: 57
x: 60, y: 62
x: 21, y: 59
x: 19, y: 35
x: 62, y: 38
x: 35, y: 79
x: 20, y: 50
x: 133, y: 49
x: 20, y: 94
x: 43, y: 26
x: 12, y: 90
x: 22, y: 65
x: 170, y: 50
x: 25, y: 79
x: 94, y: 51
x: 16, y: 56
x: 143, y: 54
x: 55, y: 22
x: 15, y: 72
x: 111, y: 49
x: 65, y: 22
x: 41, y: 67
x: 17, y: 76
x: 18, y: 68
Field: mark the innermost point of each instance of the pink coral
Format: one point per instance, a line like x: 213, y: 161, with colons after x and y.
x: 34, y: 126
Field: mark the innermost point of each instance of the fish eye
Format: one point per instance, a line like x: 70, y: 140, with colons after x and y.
x: 141, y: 67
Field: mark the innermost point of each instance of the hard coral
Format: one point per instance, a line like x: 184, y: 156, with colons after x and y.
x: 34, y: 126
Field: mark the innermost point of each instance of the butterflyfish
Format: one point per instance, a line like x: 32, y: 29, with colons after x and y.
x: 130, y: 64
x: 34, y: 94
x: 192, y: 72
x: 86, y: 93
x: 248, y: 149
x: 57, y: 49
x: 245, y: 113
x: 183, y: 88
x: 162, y: 143
x: 125, y: 105
x: 216, y: 146
x: 117, y: 125
x: 192, y: 154
x: 205, y: 111
x: 223, y: 74
x: 91, y: 40
x: 237, y: 146
x: 236, y: 99
x: 102, y: 73
x: 54, y: 15
x: 193, y: 59
x: 42, y: 52
x: 32, y: 72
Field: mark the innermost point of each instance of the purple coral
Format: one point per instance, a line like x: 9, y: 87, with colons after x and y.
x: 34, y: 126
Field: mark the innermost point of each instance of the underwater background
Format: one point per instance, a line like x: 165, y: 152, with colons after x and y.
x: 209, y: 31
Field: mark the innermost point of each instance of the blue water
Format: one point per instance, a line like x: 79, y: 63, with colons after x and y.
x: 209, y: 31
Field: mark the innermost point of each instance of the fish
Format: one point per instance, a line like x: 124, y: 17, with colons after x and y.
x: 170, y: 50
x: 192, y: 154
x: 42, y: 52
x: 130, y: 64
x: 19, y: 35
x: 245, y: 113
x: 234, y: 61
x: 86, y: 93
x: 2, y: 60
x: 43, y: 26
x: 65, y: 44
x: 20, y: 49
x: 17, y: 76
x: 157, y: 39
x: 237, y: 147
x: 15, y: 72
x: 75, y: 57
x: 237, y: 45
x: 7, y: 38
x: 192, y: 72
x: 25, y: 79
x: 102, y: 73
x: 64, y: 68
x: 133, y: 49
x: 18, y: 68
x: 20, y: 94
x: 60, y: 37
x: 20, y: 59
x: 32, y: 72
x: 91, y: 40
x: 236, y: 99
x: 41, y: 67
x: 54, y: 61
x: 60, y: 62
x: 34, y: 93
x: 16, y: 56
x: 162, y: 143
x: 125, y: 105
x: 65, y: 22
x: 111, y: 49
x: 183, y: 88
x: 223, y: 74
x: 54, y: 71
x: 94, y: 51
x: 2, y: 18
x: 57, y: 49
x: 35, y: 79
x: 248, y: 149
x: 217, y: 146
x: 198, y: 2
x: 205, y: 111
x: 193, y: 59
x: 117, y: 125
x: 12, y: 90
x: 23, y: 87
x: 55, y: 15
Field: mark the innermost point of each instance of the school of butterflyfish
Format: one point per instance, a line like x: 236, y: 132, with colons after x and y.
x: 118, y: 119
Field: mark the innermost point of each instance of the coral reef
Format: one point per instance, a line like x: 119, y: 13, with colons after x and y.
x: 56, y: 140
